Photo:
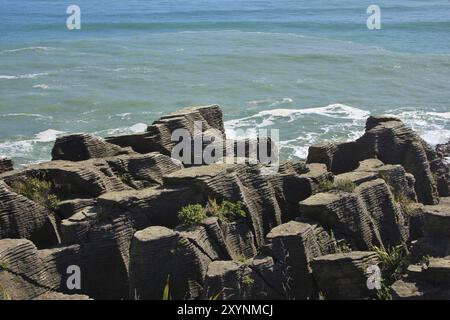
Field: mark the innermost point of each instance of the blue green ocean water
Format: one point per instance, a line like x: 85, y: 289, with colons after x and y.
x: 311, y: 69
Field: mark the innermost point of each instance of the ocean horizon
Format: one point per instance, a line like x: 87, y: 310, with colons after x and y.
x: 311, y: 69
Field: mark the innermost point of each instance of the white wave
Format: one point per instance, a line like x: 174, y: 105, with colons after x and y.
x: 31, y: 115
x: 433, y: 127
x: 136, y: 128
x: 444, y: 115
x: 37, y: 49
x: 337, y: 111
x: 48, y: 135
x: 435, y: 137
x: 41, y: 86
x: 23, y: 76
x: 13, y: 149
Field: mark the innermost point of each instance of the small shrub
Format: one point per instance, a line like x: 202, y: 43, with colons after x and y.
x: 36, y: 190
x: 227, y: 210
x: 247, y: 280
x: 192, y: 214
x: 3, y: 265
x: 338, y: 185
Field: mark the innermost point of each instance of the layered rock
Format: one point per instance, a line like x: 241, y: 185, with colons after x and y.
x: 257, y: 278
x: 72, y: 180
x: 344, y: 275
x: 143, y: 171
x: 23, y: 218
x: 159, y: 135
x: 366, y: 217
x: 27, y: 273
x: 80, y: 147
x: 6, y: 164
x: 161, y: 256
x: 390, y: 141
x: 429, y: 281
x: 294, y: 245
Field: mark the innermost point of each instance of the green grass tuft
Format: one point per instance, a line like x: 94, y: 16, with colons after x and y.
x: 36, y: 190
x: 192, y: 214
x: 392, y: 263
x: 338, y: 185
x: 226, y: 211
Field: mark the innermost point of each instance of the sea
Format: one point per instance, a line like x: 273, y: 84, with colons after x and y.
x: 314, y: 70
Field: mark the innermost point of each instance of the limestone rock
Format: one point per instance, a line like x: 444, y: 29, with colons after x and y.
x: 72, y: 180
x: 242, y: 281
x: 159, y: 256
x: 386, y: 214
x: 150, y: 206
x: 79, y: 147
x: 6, y: 164
x: 344, y: 275
x: 294, y: 245
x: 390, y: 141
x: 143, y: 171
x: 443, y: 150
x: 245, y: 183
x: 68, y: 208
x: 23, y: 218
x: 437, y: 221
x: 158, y: 135
x: 346, y: 215
x: 27, y: 273
x: 431, y: 281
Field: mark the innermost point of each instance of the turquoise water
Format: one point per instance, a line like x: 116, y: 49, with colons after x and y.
x: 311, y: 69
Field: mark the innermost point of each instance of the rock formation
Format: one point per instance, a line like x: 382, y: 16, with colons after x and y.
x: 304, y: 230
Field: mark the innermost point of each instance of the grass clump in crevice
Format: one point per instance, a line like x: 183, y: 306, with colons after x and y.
x: 226, y: 211
x: 248, y: 280
x: 36, y: 190
x: 338, y: 185
x: 393, y: 263
x: 195, y: 214
x: 192, y: 214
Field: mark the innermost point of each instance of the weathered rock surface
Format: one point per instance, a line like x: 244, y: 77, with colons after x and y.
x: 143, y: 171
x: 23, y: 218
x: 159, y: 134
x: 294, y: 245
x: 443, y: 150
x: 254, y: 279
x: 390, y: 141
x: 344, y: 275
x: 27, y: 273
x: 72, y: 180
x: 159, y: 256
x: 430, y: 281
x: 6, y: 165
x: 119, y: 200
x: 150, y: 206
x: 345, y: 214
x: 80, y: 147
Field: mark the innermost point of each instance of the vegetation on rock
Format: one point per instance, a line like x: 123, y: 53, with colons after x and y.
x: 192, y: 214
x: 195, y: 214
x: 392, y: 263
x: 36, y: 190
x: 338, y: 185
